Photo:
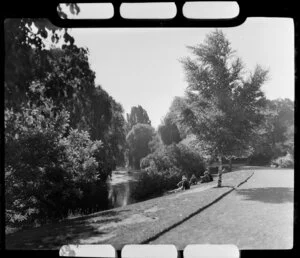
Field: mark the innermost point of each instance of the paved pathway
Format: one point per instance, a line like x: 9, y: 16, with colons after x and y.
x: 258, y: 215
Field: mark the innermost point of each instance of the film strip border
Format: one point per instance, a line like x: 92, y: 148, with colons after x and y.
x: 150, y: 251
x: 48, y: 9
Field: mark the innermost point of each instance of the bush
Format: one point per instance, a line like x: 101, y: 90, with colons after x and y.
x: 50, y: 169
x: 260, y: 159
x: 175, y: 156
x: 163, y: 169
x: 286, y: 161
x: 153, y: 183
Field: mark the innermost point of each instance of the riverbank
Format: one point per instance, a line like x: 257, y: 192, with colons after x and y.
x: 134, y: 223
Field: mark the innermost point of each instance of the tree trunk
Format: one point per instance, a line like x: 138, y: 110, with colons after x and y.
x: 230, y: 164
x: 220, y: 171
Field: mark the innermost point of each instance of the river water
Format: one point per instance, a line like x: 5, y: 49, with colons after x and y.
x: 120, y: 187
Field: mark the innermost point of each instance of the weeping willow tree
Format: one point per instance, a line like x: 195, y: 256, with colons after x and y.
x: 223, y: 106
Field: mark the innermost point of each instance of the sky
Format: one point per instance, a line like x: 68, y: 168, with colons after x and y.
x: 140, y: 66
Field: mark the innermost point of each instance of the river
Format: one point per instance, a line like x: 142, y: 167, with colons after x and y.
x: 120, y: 187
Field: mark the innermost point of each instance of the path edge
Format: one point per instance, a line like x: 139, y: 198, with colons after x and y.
x: 149, y: 239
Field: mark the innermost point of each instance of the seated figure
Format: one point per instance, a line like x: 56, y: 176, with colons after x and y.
x: 193, y: 180
x: 207, y: 177
x: 182, y: 185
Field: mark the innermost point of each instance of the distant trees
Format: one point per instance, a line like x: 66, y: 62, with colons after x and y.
x: 223, y: 108
x: 169, y: 132
x: 275, y: 136
x: 138, y: 140
x: 137, y: 115
x: 139, y: 135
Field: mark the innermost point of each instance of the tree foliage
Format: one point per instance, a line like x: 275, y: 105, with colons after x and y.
x: 25, y: 53
x: 275, y: 136
x: 63, y: 135
x: 175, y: 156
x: 47, y: 173
x: 163, y: 169
x: 138, y: 140
x: 137, y: 115
x: 222, y: 107
x: 169, y: 132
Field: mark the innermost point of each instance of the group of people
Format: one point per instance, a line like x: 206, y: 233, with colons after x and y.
x: 184, y: 184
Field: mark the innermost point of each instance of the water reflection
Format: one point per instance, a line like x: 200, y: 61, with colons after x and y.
x: 120, y: 187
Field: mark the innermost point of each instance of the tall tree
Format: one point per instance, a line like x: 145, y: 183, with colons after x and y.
x: 223, y: 108
x: 138, y: 140
x: 137, y: 115
x: 68, y: 79
x: 169, y: 132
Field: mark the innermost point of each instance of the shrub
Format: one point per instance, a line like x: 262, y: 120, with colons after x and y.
x: 286, y: 161
x: 163, y: 169
x: 175, y: 156
x: 50, y: 169
x: 153, y: 183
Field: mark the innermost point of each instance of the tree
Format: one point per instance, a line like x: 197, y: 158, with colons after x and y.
x: 52, y: 106
x: 169, y: 132
x: 67, y: 77
x: 155, y: 143
x: 276, y: 134
x: 138, y: 140
x: 223, y: 108
x: 45, y: 172
x: 137, y: 115
x: 25, y: 40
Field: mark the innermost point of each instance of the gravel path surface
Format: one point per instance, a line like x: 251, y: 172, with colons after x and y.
x: 257, y: 215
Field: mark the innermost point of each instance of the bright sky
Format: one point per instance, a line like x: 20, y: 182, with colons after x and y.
x: 139, y: 66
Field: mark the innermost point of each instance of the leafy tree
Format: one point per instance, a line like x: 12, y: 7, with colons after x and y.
x: 48, y: 174
x: 137, y: 115
x: 276, y: 134
x: 169, y: 132
x: 25, y: 40
x: 177, y: 105
x: 155, y: 143
x: 223, y: 108
x: 138, y: 142
x: 68, y: 80
x: 108, y: 125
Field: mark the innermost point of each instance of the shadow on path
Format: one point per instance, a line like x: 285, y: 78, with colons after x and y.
x: 268, y: 194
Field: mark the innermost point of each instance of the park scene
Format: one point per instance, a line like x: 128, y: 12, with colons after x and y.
x: 148, y: 136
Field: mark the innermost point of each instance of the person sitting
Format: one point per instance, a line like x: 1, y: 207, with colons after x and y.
x: 207, y: 177
x: 182, y: 185
x: 193, y: 180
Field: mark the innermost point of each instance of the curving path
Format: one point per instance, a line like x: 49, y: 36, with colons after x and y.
x: 257, y: 215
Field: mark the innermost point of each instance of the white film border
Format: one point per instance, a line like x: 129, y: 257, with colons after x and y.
x: 211, y: 251
x: 107, y: 251
x: 151, y: 251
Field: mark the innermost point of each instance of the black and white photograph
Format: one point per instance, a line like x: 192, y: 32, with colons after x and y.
x: 158, y: 135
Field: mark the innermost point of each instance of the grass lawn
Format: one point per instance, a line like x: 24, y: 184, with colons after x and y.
x: 133, y: 223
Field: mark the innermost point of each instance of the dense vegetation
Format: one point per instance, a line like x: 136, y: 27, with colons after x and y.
x: 64, y: 135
